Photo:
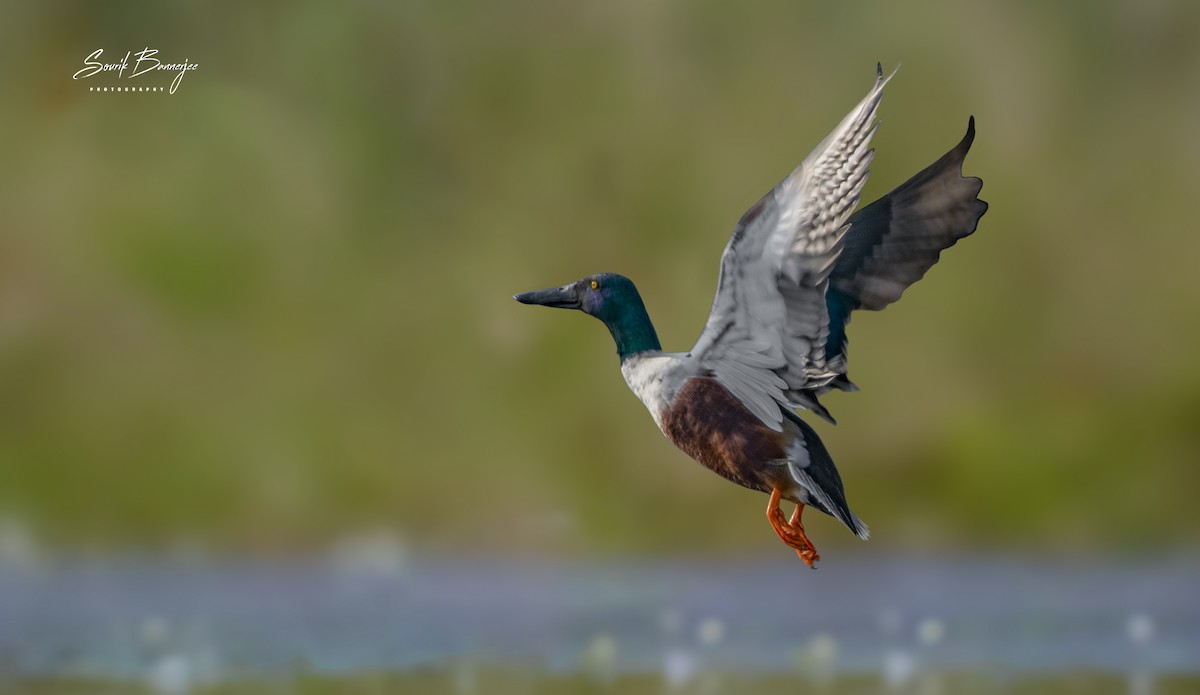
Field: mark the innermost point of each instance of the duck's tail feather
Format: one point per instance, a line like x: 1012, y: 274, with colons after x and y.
x: 815, y: 471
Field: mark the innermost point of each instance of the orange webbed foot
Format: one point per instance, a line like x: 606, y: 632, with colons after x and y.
x: 791, y: 531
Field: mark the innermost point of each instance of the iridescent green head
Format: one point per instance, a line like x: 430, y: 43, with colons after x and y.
x: 609, y: 297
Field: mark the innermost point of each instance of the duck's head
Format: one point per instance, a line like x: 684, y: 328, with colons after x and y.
x: 609, y: 297
x: 604, y: 296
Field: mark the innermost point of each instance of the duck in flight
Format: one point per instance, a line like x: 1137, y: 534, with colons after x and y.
x: 798, y: 264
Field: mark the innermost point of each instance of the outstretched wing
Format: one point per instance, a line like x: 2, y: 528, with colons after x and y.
x: 893, y: 241
x: 766, y: 336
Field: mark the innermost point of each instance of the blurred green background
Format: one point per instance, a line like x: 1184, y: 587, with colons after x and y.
x: 273, y: 308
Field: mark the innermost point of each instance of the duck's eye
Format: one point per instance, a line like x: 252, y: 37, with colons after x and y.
x: 595, y: 284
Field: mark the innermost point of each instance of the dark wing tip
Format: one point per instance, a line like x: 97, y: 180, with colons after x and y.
x: 960, y: 153
x: 879, y: 69
x: 960, y: 150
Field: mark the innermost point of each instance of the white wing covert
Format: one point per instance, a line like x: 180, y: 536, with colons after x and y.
x: 765, y: 337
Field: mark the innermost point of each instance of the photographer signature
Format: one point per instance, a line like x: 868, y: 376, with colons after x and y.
x: 144, y: 62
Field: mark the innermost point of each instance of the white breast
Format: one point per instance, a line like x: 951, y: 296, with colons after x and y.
x: 655, y: 378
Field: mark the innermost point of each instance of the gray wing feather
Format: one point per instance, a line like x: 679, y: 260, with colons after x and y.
x: 895, y: 240
x: 766, y: 336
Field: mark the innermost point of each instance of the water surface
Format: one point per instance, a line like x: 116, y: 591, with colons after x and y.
x: 882, y: 616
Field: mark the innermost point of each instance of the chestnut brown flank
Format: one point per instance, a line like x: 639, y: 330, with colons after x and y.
x: 709, y: 424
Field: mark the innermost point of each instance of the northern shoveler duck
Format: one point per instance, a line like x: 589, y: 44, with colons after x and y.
x: 797, y: 265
